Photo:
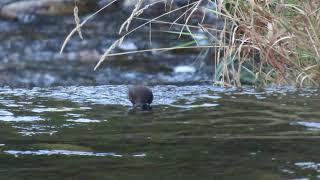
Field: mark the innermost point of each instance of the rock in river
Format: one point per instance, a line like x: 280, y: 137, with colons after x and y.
x: 27, y: 10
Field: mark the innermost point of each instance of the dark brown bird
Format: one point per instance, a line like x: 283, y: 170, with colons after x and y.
x: 140, y: 97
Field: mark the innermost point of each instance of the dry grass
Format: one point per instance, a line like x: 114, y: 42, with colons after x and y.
x: 283, y: 36
x: 261, y: 43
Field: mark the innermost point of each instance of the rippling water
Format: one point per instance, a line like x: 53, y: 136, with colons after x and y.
x: 193, y: 132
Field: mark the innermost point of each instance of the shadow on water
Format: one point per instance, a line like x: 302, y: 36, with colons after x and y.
x: 192, y: 132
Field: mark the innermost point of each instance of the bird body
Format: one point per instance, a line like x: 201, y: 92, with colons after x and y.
x: 140, y: 96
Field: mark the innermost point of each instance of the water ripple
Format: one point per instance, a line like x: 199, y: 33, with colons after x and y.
x: 60, y: 152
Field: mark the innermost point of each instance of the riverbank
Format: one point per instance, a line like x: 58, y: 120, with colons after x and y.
x: 260, y: 43
x: 31, y: 40
x: 231, y: 44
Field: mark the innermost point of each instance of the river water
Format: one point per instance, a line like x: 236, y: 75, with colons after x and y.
x: 193, y: 132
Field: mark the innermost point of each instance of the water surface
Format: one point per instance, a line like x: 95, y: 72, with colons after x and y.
x: 193, y: 132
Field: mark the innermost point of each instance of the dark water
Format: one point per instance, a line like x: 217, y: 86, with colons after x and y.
x: 193, y: 132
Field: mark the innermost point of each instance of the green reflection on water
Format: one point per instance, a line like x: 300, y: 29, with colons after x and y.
x: 235, y: 135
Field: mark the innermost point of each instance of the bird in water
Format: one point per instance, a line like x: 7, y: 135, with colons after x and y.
x: 140, y: 96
